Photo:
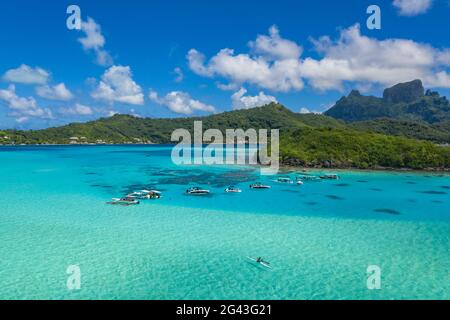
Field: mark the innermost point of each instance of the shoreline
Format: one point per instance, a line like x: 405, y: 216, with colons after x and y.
x: 282, y: 166
x: 373, y: 170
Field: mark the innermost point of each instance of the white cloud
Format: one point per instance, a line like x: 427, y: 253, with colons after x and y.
x: 412, y: 7
x: 22, y: 119
x: 275, y: 65
x: 305, y: 111
x: 179, y: 76
x: 95, y: 41
x: 27, y: 75
x: 196, y: 62
x: 77, y: 110
x: 117, y: 85
x: 274, y: 47
x: 23, y: 107
x: 308, y: 111
x: 112, y: 113
x: 280, y: 75
x: 241, y: 101
x: 180, y: 102
x: 357, y: 58
x: 56, y: 92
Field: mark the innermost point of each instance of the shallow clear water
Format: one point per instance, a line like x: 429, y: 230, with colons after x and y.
x: 320, y: 238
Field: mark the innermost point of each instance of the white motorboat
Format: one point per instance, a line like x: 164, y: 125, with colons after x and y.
x: 146, y: 194
x: 285, y: 180
x: 259, y: 185
x: 233, y: 189
x: 126, y: 201
x: 197, y: 191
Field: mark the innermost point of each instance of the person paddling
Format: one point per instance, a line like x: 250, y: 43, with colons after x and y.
x: 261, y: 260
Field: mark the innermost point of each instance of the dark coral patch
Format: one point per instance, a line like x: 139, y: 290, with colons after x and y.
x: 388, y: 211
x: 330, y: 196
x: 434, y: 192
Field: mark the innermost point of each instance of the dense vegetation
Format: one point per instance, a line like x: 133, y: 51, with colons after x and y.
x: 406, y: 128
x: 125, y: 128
x: 344, y: 148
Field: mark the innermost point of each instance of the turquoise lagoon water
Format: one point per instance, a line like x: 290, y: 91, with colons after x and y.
x: 320, y: 237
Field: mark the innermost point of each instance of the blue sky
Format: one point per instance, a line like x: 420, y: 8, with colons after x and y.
x: 181, y: 58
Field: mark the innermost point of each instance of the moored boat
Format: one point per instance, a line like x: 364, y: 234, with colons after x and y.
x: 126, y: 201
x: 329, y: 177
x: 233, y: 189
x: 146, y: 194
x: 285, y: 180
x: 307, y: 178
x: 259, y: 185
x: 197, y: 191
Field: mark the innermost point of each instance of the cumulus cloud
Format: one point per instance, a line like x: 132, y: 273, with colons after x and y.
x: 240, y: 101
x: 304, y: 111
x: 275, y: 47
x: 77, y: 110
x: 412, y: 7
x: 357, y: 58
x: 308, y: 111
x: 275, y: 64
x: 23, y: 107
x: 94, y: 40
x: 27, y: 75
x: 180, y: 102
x: 117, y: 85
x: 56, y: 92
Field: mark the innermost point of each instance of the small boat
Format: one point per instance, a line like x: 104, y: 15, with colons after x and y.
x: 329, y: 177
x: 299, y: 182
x: 307, y: 178
x: 285, y: 180
x: 197, y: 191
x: 233, y: 189
x: 126, y: 201
x: 154, y: 194
x: 259, y: 185
x: 146, y: 194
x: 261, y: 262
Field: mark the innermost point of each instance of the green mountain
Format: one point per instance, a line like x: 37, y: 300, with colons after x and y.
x: 404, y: 101
x: 309, y: 140
x: 129, y: 129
